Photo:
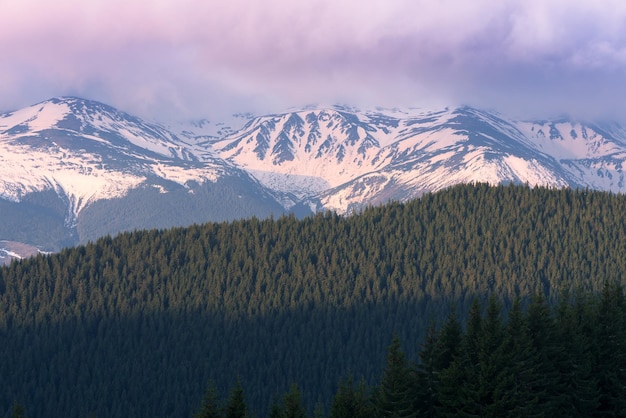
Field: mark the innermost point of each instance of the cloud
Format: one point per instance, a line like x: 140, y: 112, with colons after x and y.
x: 193, y: 57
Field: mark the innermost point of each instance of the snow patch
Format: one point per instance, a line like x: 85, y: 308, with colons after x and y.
x: 182, y: 174
x: 297, y: 184
x: 37, y: 117
x: 81, y: 178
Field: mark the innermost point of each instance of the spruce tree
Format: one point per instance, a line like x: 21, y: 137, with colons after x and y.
x: 575, y: 326
x: 458, y: 390
x: 517, y: 380
x: 236, y: 406
x: 426, y: 385
x: 292, y: 404
x: 349, y: 402
x: 549, y: 387
x: 210, y: 407
x: 610, y: 366
x: 491, y: 362
x: 17, y: 411
x: 394, y: 395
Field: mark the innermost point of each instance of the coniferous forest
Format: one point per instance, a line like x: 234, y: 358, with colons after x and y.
x: 477, y: 300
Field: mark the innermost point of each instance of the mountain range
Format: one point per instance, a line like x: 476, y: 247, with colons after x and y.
x: 73, y: 170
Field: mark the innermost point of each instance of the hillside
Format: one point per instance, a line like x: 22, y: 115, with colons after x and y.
x: 137, y: 324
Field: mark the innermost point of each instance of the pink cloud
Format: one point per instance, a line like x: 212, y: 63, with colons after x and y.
x: 191, y: 53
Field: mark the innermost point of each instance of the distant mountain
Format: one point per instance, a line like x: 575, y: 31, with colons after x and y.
x: 72, y: 170
x: 341, y: 160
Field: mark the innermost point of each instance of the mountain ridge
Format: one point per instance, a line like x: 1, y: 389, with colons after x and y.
x: 90, y: 155
x: 93, y: 156
x: 364, y: 157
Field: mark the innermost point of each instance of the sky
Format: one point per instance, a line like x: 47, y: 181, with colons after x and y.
x: 184, y: 59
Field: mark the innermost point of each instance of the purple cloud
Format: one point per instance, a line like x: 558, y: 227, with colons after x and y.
x: 198, y: 58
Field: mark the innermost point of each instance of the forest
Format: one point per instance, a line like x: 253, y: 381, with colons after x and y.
x: 544, y: 361
x: 140, y: 324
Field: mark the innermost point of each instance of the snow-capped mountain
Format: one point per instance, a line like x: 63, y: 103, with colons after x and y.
x: 97, y: 161
x: 342, y: 160
x: 79, y: 169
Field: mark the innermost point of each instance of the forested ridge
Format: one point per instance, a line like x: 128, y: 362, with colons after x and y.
x: 137, y: 325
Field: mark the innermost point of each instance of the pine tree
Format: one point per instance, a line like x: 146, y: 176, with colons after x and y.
x: 549, y: 388
x: 491, y: 364
x: 427, y: 376
x: 517, y: 381
x: 575, y: 322
x: 394, y: 395
x: 292, y: 404
x: 458, y: 393
x: 17, y: 411
x: 610, y: 367
x: 276, y: 409
x: 210, y: 407
x: 350, y: 402
x: 236, y: 406
x: 448, y: 343
x: 437, y: 354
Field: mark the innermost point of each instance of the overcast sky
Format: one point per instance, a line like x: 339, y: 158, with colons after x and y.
x: 208, y: 58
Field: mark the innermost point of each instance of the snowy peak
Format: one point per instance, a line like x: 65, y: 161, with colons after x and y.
x: 304, y: 152
x: 85, y: 168
x: 86, y: 151
x: 71, y: 118
x: 315, y: 158
x: 44, y: 147
x: 341, y: 158
x: 319, y: 134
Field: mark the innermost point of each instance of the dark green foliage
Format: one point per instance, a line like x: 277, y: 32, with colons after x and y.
x: 575, y: 331
x: 351, y: 402
x: 137, y: 324
x: 210, y: 407
x: 394, y: 397
x: 17, y: 411
x: 519, y: 380
x: 292, y: 404
x: 502, y: 370
x: 508, y: 360
x: 610, y: 352
x: 461, y: 383
x: 236, y: 406
x: 426, y: 382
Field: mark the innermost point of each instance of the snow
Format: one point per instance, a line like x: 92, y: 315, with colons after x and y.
x: 11, y: 254
x: 76, y: 175
x: 80, y: 178
x: 37, y: 117
x: 568, y: 146
x: 307, y: 169
x: 182, y: 175
x: 298, y: 184
x: 160, y: 188
x: 532, y: 172
x: 397, y: 154
x: 434, y: 145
